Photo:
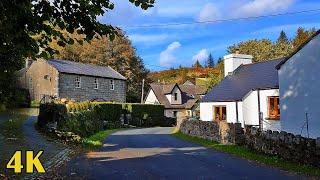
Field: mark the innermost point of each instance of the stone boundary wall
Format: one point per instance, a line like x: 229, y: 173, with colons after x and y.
x: 281, y: 144
x: 284, y: 145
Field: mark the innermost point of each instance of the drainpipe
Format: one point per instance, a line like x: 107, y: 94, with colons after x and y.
x: 237, y: 113
x: 259, y: 111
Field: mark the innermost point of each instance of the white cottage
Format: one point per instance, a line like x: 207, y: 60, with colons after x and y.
x: 299, y: 80
x: 248, y: 94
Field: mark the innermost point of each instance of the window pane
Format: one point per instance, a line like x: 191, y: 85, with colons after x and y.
x: 224, y: 113
x: 217, y: 111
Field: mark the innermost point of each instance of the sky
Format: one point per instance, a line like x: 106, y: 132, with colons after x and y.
x: 163, y: 46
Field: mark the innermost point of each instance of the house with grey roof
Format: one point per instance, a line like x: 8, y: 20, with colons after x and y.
x: 182, y: 99
x: 73, y: 81
x: 299, y: 89
x: 249, y: 94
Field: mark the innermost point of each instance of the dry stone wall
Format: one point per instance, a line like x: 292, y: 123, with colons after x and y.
x: 281, y: 144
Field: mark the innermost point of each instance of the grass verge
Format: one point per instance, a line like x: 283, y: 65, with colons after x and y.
x: 96, y: 140
x: 252, y: 155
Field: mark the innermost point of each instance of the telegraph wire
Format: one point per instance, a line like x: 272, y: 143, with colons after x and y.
x: 219, y: 20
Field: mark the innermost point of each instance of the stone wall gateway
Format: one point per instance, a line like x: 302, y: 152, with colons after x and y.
x: 281, y: 144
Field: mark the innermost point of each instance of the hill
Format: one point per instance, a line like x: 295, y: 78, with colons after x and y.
x: 196, y: 75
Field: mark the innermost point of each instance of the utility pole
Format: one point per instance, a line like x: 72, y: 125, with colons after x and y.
x: 142, y: 91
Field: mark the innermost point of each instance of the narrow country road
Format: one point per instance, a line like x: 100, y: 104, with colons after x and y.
x: 152, y: 153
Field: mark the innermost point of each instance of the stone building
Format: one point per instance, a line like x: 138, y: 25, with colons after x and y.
x: 72, y: 80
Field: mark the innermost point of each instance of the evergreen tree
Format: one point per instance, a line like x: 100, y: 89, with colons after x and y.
x: 282, y: 47
x: 210, y: 62
x: 197, y: 64
x: 283, y: 38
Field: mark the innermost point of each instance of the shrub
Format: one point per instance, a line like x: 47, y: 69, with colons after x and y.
x: 109, y: 112
x: 84, y: 123
x: 52, y: 112
x: 146, y: 115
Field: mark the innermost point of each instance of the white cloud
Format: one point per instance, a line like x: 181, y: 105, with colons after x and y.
x: 259, y: 7
x: 167, y: 57
x: 209, y: 13
x: 201, y: 56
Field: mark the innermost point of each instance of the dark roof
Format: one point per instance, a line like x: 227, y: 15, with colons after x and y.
x: 245, y: 78
x: 71, y: 67
x: 297, y: 50
x: 190, y: 94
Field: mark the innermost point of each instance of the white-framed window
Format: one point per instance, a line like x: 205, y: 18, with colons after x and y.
x: 96, y: 83
x: 111, y: 84
x: 77, y: 82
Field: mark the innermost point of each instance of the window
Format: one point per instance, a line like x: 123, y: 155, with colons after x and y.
x: 96, y: 83
x: 220, y: 113
x: 273, y: 107
x: 111, y: 84
x: 77, y: 82
x: 175, y: 113
x: 176, y: 96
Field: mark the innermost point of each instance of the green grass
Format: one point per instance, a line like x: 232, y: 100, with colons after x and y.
x: 252, y: 155
x: 96, y: 140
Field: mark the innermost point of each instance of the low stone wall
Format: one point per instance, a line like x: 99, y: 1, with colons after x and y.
x: 281, y: 144
x: 284, y: 145
x: 225, y: 133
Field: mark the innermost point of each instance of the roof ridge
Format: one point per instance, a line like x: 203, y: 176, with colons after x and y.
x: 264, y: 61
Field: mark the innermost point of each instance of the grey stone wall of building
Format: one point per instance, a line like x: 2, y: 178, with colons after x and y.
x: 281, y: 144
x: 67, y: 88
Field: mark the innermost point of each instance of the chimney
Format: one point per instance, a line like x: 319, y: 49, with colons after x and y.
x: 233, y: 61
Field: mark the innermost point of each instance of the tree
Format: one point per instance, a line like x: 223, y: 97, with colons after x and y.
x: 282, y: 47
x: 283, y: 38
x: 118, y: 54
x: 302, y: 36
x: 28, y: 26
x: 210, y: 62
x: 260, y: 49
x: 197, y: 64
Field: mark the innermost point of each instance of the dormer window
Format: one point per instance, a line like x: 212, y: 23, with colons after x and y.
x: 176, y: 96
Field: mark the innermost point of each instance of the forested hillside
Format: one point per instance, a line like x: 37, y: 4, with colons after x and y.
x: 260, y: 49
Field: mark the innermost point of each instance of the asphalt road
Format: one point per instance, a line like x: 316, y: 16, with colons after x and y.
x: 153, y: 153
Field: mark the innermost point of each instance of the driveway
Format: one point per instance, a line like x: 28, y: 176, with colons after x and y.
x: 152, y: 153
x: 17, y: 132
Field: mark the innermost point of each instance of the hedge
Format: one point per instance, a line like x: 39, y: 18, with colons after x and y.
x: 86, y: 118
x: 52, y: 112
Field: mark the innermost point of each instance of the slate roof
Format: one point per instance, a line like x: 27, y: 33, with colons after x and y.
x: 297, y: 50
x: 71, y: 67
x: 262, y: 75
x: 190, y: 95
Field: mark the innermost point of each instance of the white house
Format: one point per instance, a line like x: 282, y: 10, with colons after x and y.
x: 248, y: 94
x: 299, y: 81
x: 175, y: 98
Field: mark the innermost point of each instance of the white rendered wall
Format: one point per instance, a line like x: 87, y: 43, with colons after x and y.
x: 151, y: 98
x: 299, y: 90
x: 206, y: 111
x: 274, y: 125
x: 250, y: 109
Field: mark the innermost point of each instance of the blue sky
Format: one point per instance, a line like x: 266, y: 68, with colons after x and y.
x: 162, y: 47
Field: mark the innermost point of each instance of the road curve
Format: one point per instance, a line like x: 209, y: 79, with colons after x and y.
x: 152, y: 153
